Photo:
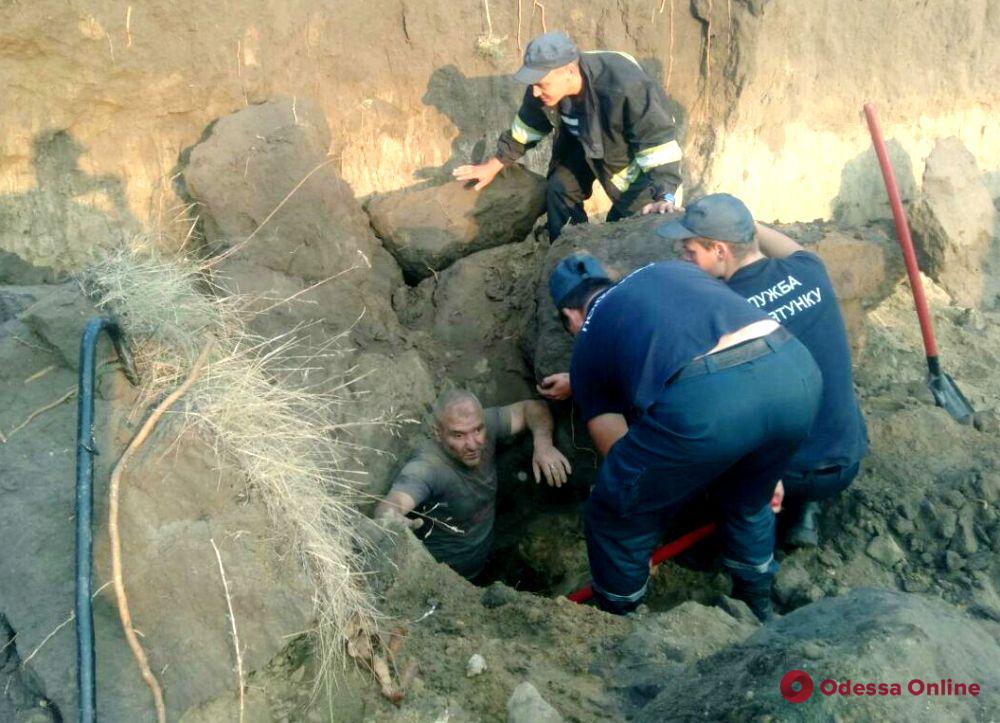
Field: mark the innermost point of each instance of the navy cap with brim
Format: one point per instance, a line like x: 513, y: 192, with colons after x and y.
x: 544, y: 54
x: 572, y: 271
x: 675, y: 231
x: 719, y: 216
x: 529, y: 76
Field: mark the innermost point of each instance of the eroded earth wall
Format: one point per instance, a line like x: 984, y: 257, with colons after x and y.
x: 103, y: 98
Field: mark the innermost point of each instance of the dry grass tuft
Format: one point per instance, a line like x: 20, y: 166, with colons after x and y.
x: 292, y: 443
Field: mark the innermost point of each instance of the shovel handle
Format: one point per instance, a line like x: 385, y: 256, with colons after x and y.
x: 902, y: 232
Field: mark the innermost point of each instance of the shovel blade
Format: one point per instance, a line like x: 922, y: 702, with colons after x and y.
x: 949, y: 397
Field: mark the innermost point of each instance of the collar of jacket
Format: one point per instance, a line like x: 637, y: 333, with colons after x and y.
x: 590, y: 135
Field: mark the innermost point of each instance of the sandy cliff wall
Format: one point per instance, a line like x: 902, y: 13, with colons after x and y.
x: 102, y: 98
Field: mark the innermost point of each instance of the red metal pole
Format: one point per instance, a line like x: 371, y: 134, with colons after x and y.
x: 660, y: 554
x: 902, y: 231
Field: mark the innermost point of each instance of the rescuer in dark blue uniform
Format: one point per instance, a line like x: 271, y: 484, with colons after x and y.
x: 683, y: 386
x: 778, y: 276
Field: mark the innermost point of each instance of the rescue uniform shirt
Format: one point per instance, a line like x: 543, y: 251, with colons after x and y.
x: 796, y: 291
x: 447, y: 490
x: 645, y: 329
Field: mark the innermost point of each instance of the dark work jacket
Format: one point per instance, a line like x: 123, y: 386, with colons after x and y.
x: 627, y: 133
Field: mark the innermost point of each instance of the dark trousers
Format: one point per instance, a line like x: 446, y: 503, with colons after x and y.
x: 733, y: 430
x: 571, y: 181
x: 818, y: 484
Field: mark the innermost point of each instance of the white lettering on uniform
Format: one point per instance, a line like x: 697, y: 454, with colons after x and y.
x: 800, y: 303
x: 774, y: 293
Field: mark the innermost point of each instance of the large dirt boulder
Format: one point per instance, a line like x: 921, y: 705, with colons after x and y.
x: 177, y: 496
x: 301, y: 255
x: 394, y: 387
x: 270, y: 197
x: 867, y: 636
x: 864, y: 267
x: 471, y: 318
x: 954, y: 222
x: 429, y: 228
x: 621, y: 247
x: 264, y: 171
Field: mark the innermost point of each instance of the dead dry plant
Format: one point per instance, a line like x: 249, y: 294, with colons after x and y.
x: 293, y: 444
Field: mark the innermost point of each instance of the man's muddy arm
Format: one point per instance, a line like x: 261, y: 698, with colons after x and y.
x: 397, y: 505
x: 547, y: 461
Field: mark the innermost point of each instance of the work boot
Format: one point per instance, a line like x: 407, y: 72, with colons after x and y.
x: 757, y: 596
x: 804, y: 531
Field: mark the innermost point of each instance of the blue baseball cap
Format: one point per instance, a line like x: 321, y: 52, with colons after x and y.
x: 544, y: 53
x: 719, y: 216
x: 571, y: 272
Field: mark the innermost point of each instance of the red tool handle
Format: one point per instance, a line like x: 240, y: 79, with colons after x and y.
x: 902, y: 231
x: 671, y: 549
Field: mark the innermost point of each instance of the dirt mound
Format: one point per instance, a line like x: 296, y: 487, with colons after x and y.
x: 584, y: 663
x: 954, y: 224
x: 296, y: 246
x: 923, y: 515
x: 176, y: 498
x: 867, y: 636
x: 428, y: 229
x: 469, y: 320
x: 270, y: 198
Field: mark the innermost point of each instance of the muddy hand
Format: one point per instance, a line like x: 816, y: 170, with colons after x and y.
x: 550, y: 463
x: 555, y: 387
x: 659, y: 207
x: 482, y: 173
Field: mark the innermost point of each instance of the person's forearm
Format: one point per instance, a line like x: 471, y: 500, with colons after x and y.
x: 773, y: 243
x: 538, y: 419
x: 605, y: 430
x: 395, y: 504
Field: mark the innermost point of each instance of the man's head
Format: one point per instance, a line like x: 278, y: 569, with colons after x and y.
x: 717, y: 233
x: 573, y: 283
x: 459, y: 426
x: 551, y: 67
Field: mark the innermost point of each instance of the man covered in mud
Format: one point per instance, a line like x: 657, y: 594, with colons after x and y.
x: 683, y: 386
x: 778, y: 276
x: 451, y: 482
x: 611, y: 121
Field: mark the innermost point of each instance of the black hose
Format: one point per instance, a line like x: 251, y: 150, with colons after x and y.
x: 85, y: 451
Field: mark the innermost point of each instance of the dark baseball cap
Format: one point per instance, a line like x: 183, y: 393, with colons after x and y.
x: 719, y: 216
x: 544, y: 53
x: 571, y: 272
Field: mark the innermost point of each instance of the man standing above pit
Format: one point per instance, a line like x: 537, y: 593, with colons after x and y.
x: 452, y: 479
x: 612, y: 123
x: 683, y: 386
x: 778, y: 276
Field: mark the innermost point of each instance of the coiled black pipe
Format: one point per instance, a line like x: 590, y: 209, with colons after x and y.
x: 85, y: 451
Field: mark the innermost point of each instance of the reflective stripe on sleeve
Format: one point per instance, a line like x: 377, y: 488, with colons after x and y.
x: 658, y: 155
x: 626, y: 176
x: 523, y: 133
